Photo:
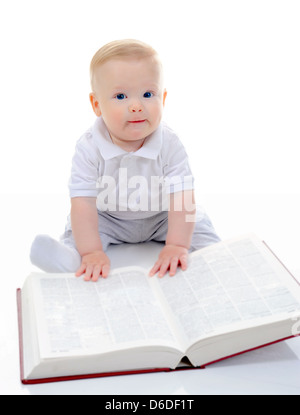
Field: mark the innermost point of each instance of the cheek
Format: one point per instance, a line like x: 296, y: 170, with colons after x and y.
x: 156, y: 110
x: 115, y: 114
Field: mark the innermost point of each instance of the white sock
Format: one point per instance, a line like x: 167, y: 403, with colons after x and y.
x: 52, y: 256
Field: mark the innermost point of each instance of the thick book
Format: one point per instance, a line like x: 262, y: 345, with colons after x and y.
x: 235, y: 296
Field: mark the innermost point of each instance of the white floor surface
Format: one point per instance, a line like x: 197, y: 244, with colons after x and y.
x: 272, y: 370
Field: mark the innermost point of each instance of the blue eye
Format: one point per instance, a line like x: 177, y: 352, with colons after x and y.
x: 120, y: 96
x: 148, y: 95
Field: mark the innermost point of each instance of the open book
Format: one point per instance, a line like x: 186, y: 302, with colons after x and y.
x: 234, y: 297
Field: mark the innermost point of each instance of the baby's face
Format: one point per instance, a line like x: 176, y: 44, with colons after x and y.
x: 129, y: 96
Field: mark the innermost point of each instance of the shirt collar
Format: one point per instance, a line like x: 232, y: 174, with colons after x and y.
x: 109, y: 150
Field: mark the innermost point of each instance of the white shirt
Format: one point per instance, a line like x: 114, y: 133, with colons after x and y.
x: 129, y: 185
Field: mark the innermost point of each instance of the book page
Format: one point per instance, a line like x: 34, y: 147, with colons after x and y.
x: 76, y: 317
x: 232, y: 284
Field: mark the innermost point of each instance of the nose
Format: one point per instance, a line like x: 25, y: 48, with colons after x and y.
x: 135, y: 107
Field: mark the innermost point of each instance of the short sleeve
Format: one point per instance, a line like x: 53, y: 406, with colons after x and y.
x: 85, y: 167
x: 177, y: 172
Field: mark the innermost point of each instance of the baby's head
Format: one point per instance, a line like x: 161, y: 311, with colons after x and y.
x: 128, y: 91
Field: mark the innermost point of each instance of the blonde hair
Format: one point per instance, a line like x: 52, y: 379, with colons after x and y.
x: 126, y: 48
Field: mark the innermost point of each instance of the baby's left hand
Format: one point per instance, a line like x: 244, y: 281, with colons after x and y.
x: 170, y: 258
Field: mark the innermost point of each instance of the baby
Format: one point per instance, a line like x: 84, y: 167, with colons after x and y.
x: 130, y: 180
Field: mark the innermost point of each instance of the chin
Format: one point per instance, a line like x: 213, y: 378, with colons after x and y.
x: 138, y: 135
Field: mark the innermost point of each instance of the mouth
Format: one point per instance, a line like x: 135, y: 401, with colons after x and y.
x: 136, y: 122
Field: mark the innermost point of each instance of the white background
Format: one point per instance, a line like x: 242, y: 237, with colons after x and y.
x: 232, y: 73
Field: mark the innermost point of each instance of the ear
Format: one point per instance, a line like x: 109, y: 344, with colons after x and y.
x: 95, y: 104
x: 164, y: 96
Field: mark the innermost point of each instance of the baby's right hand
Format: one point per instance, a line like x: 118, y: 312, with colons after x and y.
x: 94, y: 265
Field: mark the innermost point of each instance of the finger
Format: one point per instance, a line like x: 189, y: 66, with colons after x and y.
x: 105, y: 270
x: 80, y: 270
x: 88, y: 272
x: 155, y: 268
x: 173, y: 266
x: 96, y: 273
x: 184, y: 262
x: 164, y: 268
